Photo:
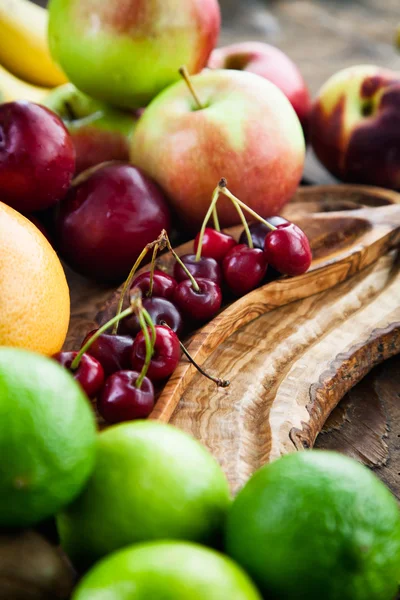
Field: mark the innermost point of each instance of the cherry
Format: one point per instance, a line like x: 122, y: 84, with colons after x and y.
x: 159, y: 310
x: 89, y: 373
x: 163, y: 284
x: 166, y: 354
x: 198, y: 305
x: 288, y: 250
x: 215, y: 244
x: 206, y: 268
x: 121, y: 399
x: 259, y: 230
x: 244, y: 268
x: 112, y: 351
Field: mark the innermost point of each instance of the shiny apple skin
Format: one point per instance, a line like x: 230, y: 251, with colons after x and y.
x: 126, y: 52
x: 107, y: 219
x: 37, y: 157
x: 272, y: 64
x: 355, y: 126
x: 247, y: 128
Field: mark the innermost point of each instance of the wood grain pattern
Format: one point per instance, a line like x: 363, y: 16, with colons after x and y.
x: 278, y: 361
x: 344, y: 242
x: 369, y: 430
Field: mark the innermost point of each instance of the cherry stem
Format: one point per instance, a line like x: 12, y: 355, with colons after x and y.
x: 224, y: 383
x: 128, y: 283
x: 149, y: 347
x: 184, y: 73
x: 216, y: 220
x: 194, y: 283
x: 150, y: 323
x: 128, y: 311
x: 246, y: 208
x: 244, y: 222
x: 152, y: 267
x: 211, y: 208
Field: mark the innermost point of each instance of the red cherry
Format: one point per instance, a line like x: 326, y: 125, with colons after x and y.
x: 216, y: 244
x: 288, y: 250
x: 207, y: 268
x: 258, y: 231
x: 120, y: 399
x: 163, y: 284
x: 166, y: 354
x: 198, y: 306
x: 159, y: 310
x: 89, y: 374
x: 112, y: 351
x: 244, y: 269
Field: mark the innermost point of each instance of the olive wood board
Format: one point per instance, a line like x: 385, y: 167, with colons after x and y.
x: 268, y: 409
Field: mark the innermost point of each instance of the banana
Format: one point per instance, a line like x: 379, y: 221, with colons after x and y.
x: 12, y: 88
x: 24, y: 49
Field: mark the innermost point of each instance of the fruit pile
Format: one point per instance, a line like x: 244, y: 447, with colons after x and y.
x: 104, y: 170
x: 143, y: 511
x: 120, y: 369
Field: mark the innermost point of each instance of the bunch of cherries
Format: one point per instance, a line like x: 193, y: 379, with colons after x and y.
x: 143, y: 348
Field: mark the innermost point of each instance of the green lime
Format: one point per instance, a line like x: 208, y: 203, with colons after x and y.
x: 47, y: 438
x: 166, y: 571
x: 151, y: 481
x: 317, y: 525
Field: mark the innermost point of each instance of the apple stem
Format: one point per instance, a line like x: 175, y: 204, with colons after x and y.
x: 216, y: 220
x: 69, y: 111
x: 143, y: 317
x: 256, y: 216
x: 128, y: 311
x: 210, y: 211
x: 184, y: 73
x: 152, y: 267
x: 195, y: 285
x: 224, y: 383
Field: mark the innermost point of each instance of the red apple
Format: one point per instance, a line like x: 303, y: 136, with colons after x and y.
x: 99, y: 132
x: 272, y: 64
x: 246, y: 131
x: 355, y: 126
x: 107, y: 218
x: 37, y: 157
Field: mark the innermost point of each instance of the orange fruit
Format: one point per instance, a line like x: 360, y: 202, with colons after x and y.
x: 34, y: 295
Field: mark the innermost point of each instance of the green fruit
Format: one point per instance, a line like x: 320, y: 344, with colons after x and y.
x: 317, y: 525
x: 80, y: 111
x: 47, y: 438
x: 126, y: 53
x: 166, y: 571
x: 151, y: 482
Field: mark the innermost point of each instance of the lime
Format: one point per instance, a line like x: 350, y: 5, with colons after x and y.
x: 151, y: 481
x: 47, y: 438
x: 166, y: 571
x: 317, y: 524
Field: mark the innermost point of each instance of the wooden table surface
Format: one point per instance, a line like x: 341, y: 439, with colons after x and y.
x: 322, y: 36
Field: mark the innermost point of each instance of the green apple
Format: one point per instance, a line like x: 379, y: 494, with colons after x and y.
x: 246, y: 131
x: 126, y: 52
x: 100, y: 132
